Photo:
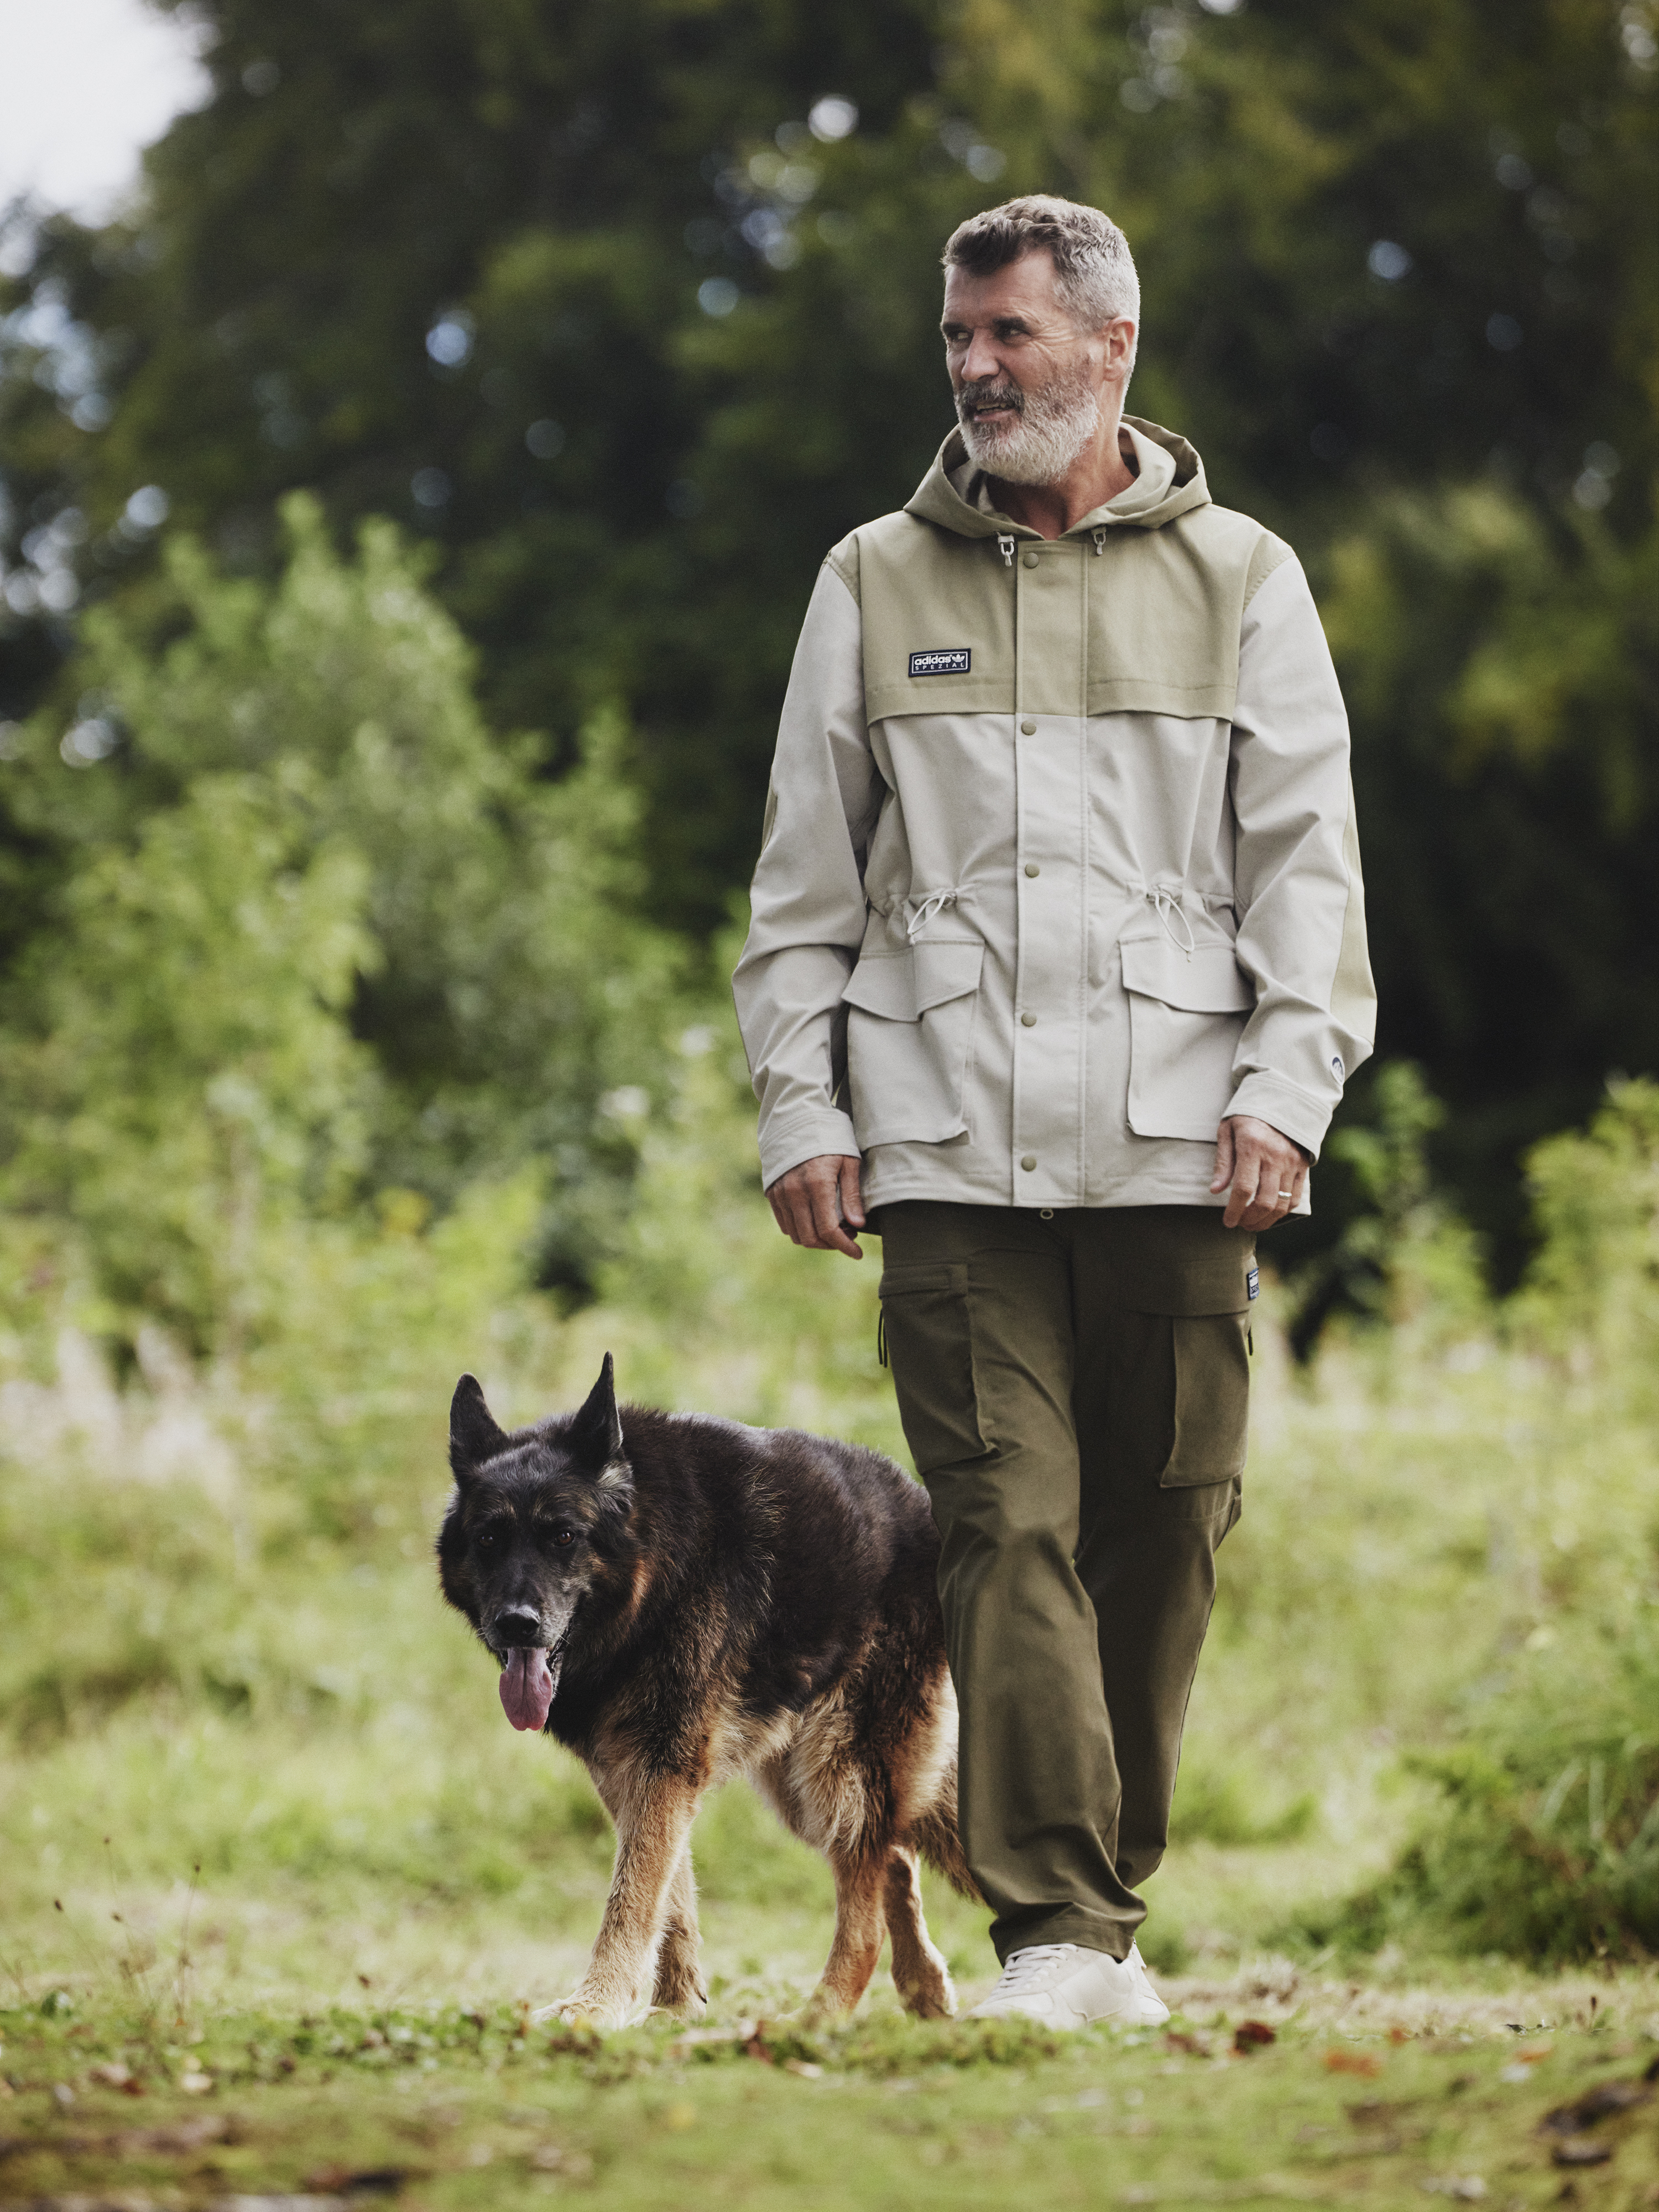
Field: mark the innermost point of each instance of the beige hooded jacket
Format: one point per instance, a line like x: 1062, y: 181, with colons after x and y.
x: 1059, y: 864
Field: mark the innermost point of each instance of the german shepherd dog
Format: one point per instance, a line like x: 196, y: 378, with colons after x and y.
x: 680, y: 1600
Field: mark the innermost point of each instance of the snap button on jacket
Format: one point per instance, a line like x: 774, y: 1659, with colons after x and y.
x: 1059, y: 864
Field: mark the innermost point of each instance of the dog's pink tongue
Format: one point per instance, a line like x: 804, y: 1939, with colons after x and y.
x: 526, y: 1689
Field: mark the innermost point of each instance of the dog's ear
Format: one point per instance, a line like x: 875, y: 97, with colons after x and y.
x: 595, y: 1438
x: 474, y: 1436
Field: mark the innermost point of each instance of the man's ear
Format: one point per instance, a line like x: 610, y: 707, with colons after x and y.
x: 474, y: 1436
x: 596, y: 1437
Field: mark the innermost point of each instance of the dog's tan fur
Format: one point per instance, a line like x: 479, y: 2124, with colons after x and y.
x: 809, y: 1769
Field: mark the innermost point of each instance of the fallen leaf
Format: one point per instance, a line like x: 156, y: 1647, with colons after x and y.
x: 1595, y: 2105
x: 1374, y: 2113
x: 1353, y: 2061
x: 1578, y: 2153
x: 1195, y: 2046
x: 1251, y: 2034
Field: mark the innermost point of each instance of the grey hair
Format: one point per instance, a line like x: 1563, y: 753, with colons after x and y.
x: 1094, y: 270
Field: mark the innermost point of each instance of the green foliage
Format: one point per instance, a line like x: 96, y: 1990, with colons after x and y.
x: 1212, y: 1807
x: 1399, y: 289
x: 1503, y: 676
x: 1595, y: 1280
x: 317, y: 936
x: 1402, y: 1256
x: 1545, y: 1841
x: 183, y: 1077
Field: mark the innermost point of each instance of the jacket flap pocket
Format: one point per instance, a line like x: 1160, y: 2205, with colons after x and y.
x: 1208, y: 981
x: 946, y: 970
x: 902, y: 986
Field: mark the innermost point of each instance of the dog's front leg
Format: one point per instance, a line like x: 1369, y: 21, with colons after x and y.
x: 679, y: 1984
x: 654, y: 1818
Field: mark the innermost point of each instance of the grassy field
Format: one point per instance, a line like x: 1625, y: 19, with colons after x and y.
x: 280, y: 1885
x: 1270, y: 2087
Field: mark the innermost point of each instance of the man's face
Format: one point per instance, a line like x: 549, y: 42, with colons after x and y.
x: 1028, y: 382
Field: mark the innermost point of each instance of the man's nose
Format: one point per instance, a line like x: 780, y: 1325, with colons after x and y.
x: 980, y: 362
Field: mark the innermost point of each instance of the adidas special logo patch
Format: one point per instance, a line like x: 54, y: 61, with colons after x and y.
x: 943, y: 660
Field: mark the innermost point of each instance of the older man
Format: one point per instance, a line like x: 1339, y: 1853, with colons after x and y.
x: 1056, y: 971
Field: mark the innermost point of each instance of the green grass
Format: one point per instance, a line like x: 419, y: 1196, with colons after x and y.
x: 1369, y: 2099
x: 263, y: 1823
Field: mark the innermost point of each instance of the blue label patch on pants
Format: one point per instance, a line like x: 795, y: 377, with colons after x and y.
x: 1252, y: 1283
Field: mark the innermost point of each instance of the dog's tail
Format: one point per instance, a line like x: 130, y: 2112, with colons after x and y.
x: 935, y: 1835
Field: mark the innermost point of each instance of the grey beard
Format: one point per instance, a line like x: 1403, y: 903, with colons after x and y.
x: 1055, y: 423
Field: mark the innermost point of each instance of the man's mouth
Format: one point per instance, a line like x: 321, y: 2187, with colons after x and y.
x: 989, y: 406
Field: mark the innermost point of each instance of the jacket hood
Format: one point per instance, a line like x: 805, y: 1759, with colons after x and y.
x: 1170, y: 483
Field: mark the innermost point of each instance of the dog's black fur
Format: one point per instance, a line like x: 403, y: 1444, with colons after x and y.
x: 716, y: 1600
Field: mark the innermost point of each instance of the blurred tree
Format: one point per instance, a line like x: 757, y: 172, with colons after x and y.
x: 631, y: 309
x: 316, y: 933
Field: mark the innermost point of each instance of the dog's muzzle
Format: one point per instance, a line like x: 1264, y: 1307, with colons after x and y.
x: 533, y: 1657
x: 515, y: 1628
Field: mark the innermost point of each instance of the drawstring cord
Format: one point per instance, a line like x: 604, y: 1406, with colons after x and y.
x: 934, y: 903
x: 1165, y: 902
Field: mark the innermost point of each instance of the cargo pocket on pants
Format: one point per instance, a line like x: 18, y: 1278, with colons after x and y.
x: 1212, y: 1399
x: 928, y: 1320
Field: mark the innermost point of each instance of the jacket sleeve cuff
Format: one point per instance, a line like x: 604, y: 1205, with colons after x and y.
x: 785, y: 1144
x: 1295, y: 1113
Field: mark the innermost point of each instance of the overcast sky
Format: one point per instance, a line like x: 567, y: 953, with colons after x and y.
x: 84, y: 86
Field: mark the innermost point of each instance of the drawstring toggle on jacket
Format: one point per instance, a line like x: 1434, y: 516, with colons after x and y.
x: 1164, y: 900
x: 926, y: 908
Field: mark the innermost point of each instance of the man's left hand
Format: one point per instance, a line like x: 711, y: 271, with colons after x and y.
x: 1265, y: 1171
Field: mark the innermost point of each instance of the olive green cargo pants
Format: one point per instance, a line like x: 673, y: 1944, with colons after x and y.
x: 1073, y: 1387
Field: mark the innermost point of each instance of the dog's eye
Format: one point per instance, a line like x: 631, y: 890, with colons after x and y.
x: 564, y: 1537
x: 486, y: 1540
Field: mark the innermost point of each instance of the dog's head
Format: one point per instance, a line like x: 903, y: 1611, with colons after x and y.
x: 539, y: 1521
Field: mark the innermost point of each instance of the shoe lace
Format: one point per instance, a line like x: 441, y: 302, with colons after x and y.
x: 1030, y: 1966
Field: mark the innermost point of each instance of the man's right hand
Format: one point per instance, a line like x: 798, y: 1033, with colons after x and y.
x: 816, y: 1203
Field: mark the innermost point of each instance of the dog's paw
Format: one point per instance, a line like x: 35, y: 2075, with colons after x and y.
x: 931, y: 2000
x: 681, y: 1992
x: 581, y: 2009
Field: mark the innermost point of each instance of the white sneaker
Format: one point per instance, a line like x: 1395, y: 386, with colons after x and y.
x: 1063, y: 1985
x: 1157, y: 2011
